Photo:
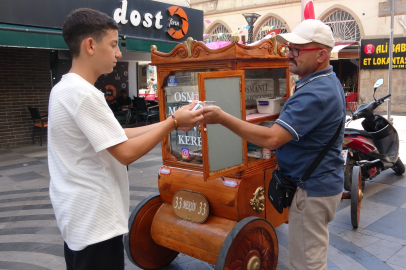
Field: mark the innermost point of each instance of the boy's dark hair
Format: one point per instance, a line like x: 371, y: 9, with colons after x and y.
x: 123, y: 91
x: 83, y: 23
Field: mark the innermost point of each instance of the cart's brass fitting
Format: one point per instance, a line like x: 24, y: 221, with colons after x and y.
x: 235, y: 39
x: 254, y: 263
x: 189, y: 43
x: 283, y: 51
x: 360, y: 195
x: 258, y: 199
x: 275, y: 44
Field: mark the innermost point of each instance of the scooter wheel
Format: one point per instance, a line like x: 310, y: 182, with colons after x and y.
x: 399, y: 167
x: 347, y: 176
x: 356, y: 196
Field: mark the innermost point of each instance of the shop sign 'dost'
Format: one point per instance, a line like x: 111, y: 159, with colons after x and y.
x: 375, y: 53
x: 177, y: 25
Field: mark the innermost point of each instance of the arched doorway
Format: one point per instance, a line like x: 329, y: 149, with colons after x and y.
x: 344, y: 26
x: 272, y: 21
x: 345, y: 30
x: 219, y: 29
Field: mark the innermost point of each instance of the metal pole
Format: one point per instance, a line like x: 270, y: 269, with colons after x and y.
x: 392, y: 11
x: 250, y: 34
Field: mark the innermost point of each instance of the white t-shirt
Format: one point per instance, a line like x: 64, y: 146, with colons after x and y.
x: 89, y: 188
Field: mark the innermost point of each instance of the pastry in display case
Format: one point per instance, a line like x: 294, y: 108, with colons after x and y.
x: 212, y: 186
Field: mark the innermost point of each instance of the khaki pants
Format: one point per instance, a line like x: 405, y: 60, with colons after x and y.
x: 308, y: 230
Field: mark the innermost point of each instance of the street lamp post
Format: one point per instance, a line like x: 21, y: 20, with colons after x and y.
x: 251, y: 19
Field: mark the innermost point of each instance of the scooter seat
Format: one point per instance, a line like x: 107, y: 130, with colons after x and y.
x: 351, y: 131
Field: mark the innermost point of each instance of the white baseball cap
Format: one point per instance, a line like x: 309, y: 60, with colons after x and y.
x: 309, y: 31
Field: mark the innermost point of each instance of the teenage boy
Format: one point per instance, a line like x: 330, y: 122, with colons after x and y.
x: 87, y: 148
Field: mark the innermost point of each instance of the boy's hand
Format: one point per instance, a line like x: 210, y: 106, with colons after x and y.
x: 188, y: 119
x: 212, y: 115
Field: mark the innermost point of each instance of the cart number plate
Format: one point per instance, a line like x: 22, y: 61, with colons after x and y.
x: 190, y: 205
x: 344, y: 154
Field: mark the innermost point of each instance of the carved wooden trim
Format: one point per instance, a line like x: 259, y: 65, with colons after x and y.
x: 180, y: 50
x: 268, y: 47
x: 196, y: 51
x: 163, y: 74
x: 199, y: 48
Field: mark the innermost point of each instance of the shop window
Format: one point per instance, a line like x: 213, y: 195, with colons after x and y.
x: 271, y: 22
x: 344, y: 26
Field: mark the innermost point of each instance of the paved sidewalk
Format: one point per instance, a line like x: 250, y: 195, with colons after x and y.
x: 30, y: 239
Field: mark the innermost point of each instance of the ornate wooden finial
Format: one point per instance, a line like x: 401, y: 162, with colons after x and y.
x: 283, y: 51
x: 235, y: 39
x: 258, y: 199
x: 275, y: 44
x: 153, y: 48
x: 189, y: 43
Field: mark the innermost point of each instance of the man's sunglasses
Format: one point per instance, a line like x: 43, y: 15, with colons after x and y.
x: 295, y: 51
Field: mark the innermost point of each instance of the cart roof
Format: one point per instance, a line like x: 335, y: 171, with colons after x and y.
x: 197, y: 51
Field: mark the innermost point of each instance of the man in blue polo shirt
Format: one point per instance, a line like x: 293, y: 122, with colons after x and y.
x: 308, y: 121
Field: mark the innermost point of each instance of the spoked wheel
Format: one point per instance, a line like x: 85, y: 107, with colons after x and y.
x: 356, y: 196
x: 251, y: 245
x: 139, y: 246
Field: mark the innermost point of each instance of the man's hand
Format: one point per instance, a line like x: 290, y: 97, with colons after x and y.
x: 187, y: 118
x: 212, y: 115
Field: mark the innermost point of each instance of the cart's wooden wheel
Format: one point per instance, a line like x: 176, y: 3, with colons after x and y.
x: 141, y: 249
x: 356, y: 195
x: 251, y: 245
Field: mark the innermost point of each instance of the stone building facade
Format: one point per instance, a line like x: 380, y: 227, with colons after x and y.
x: 350, y: 20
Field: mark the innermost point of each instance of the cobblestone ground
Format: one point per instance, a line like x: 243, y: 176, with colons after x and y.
x: 30, y: 239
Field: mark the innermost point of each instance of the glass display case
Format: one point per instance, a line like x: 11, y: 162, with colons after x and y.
x: 251, y: 83
x: 182, y: 86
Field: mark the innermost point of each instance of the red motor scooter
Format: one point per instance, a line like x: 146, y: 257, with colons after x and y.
x: 368, y: 152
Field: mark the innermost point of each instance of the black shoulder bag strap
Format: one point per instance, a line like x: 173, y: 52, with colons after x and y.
x: 320, y: 157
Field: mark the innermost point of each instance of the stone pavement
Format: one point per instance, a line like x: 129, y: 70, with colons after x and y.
x: 30, y: 239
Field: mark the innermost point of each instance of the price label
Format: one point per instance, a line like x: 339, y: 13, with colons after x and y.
x: 190, y: 205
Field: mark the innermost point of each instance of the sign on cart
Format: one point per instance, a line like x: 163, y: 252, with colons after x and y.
x: 190, y: 205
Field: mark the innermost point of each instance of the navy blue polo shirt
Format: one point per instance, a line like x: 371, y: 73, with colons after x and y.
x: 312, y: 115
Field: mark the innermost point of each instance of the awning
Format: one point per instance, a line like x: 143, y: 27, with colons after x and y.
x: 338, y: 47
x: 142, y: 45
x: 31, y: 37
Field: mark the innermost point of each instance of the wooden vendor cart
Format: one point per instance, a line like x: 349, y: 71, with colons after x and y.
x: 212, y: 201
